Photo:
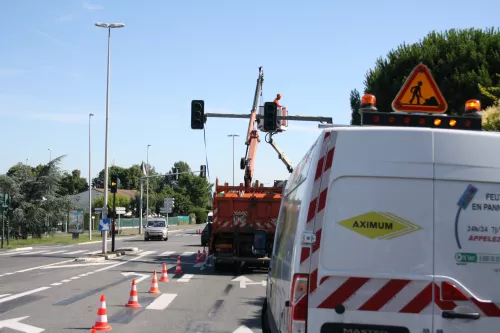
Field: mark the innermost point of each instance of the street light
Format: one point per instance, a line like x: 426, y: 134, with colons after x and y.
x: 108, y: 26
x: 147, y: 183
x: 90, y: 178
x: 233, y: 136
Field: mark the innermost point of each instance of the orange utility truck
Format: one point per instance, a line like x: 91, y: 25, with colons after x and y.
x: 245, y: 216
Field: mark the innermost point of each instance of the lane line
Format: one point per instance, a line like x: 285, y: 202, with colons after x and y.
x: 27, y: 253
x: 187, y: 254
x: 185, y: 278
x: 4, y: 295
x: 166, y: 253
x: 78, y: 265
x: 15, y: 296
x: 58, y: 251
x: 66, y: 280
x: 56, y: 284
x: 162, y: 302
x: 33, y: 268
x: 75, y: 252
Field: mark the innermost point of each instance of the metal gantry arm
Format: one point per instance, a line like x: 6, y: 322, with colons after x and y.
x: 141, y: 190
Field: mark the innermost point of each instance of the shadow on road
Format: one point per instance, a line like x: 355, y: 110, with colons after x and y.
x: 253, y: 319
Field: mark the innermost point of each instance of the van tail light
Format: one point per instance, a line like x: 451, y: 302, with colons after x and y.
x: 298, y: 303
x: 449, y: 292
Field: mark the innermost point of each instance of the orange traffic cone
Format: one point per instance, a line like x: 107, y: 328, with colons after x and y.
x: 164, y: 274
x: 198, y: 257
x: 133, y: 302
x: 101, y: 323
x: 204, y: 255
x: 178, y: 268
x: 93, y: 330
x: 154, y: 285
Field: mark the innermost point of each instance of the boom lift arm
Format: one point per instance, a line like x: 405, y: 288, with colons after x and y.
x: 281, y: 154
x: 252, y: 140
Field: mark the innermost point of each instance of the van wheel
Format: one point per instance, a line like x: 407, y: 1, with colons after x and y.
x: 264, y: 319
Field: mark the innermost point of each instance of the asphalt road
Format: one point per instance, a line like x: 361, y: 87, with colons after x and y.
x: 50, y: 291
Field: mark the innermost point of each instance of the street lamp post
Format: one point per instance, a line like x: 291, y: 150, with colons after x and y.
x: 147, y: 183
x: 90, y: 178
x: 233, y: 136
x: 108, y: 26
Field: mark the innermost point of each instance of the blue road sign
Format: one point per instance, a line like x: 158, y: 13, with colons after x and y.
x: 104, y: 224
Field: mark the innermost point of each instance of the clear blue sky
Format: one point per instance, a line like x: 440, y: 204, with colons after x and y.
x: 53, y: 72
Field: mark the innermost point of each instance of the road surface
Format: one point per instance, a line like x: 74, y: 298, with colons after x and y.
x: 46, y: 290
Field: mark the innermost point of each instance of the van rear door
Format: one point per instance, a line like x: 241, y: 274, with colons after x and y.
x: 372, y: 262
x: 467, y: 232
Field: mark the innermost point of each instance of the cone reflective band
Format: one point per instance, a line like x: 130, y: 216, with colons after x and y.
x: 415, y: 120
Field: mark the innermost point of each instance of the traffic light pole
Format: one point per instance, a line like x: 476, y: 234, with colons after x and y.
x: 153, y: 176
x: 113, y: 224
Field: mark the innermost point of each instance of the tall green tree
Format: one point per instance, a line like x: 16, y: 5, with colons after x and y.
x: 73, y: 183
x: 35, y: 200
x: 458, y: 59
x: 355, y: 101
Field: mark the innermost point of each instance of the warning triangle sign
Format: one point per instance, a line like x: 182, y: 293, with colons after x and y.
x: 420, y: 93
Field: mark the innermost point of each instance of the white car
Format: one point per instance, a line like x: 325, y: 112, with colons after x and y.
x: 157, y: 228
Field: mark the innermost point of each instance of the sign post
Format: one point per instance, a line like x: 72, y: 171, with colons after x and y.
x: 104, y: 234
x: 168, y: 205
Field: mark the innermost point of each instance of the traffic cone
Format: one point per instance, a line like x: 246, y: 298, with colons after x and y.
x: 101, y: 323
x: 93, y: 330
x: 154, y: 285
x: 133, y: 302
x: 178, y: 268
x: 204, y: 255
x: 164, y: 274
x: 198, y: 257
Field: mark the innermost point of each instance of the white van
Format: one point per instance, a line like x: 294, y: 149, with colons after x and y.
x: 389, y: 229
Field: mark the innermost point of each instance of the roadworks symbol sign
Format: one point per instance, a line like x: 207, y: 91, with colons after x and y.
x: 380, y: 225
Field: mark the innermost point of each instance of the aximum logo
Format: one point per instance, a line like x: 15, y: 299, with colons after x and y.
x: 380, y: 225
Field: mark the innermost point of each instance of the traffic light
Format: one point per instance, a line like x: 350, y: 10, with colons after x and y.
x: 413, y: 120
x: 270, y: 119
x: 197, y: 114
x: 115, y: 182
x: 203, y: 171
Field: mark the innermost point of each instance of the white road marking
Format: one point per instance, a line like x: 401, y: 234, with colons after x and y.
x: 74, y: 278
x: 33, y: 268
x: 15, y: 296
x: 166, y: 254
x: 94, y: 252
x: 56, y: 284
x: 185, y: 278
x: 79, y: 265
x: 58, y: 251
x: 4, y: 295
x: 187, y: 254
x: 27, y: 253
x: 66, y: 281
x: 15, y: 325
x: 243, y: 329
x: 161, y: 302
x: 75, y: 252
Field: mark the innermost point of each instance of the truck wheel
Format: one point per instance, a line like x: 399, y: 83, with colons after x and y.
x: 264, y: 319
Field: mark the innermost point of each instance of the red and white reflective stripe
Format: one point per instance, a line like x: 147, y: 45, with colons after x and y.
x: 310, y: 257
x: 389, y: 295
